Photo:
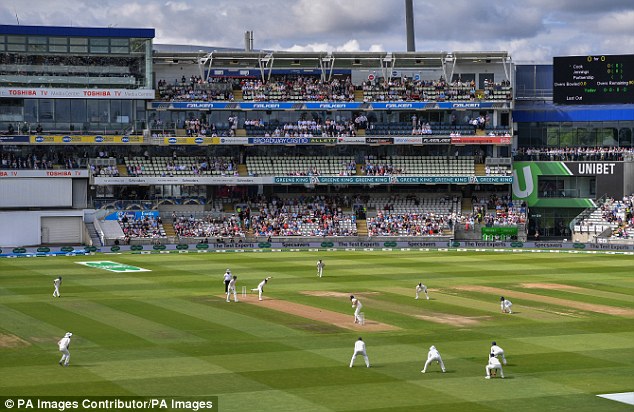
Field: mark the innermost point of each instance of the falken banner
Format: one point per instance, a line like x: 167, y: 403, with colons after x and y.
x: 329, y: 106
x: 526, y: 181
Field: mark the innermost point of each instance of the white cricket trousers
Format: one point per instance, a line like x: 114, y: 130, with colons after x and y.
x: 365, y: 356
x: 65, y: 357
x: 434, y: 359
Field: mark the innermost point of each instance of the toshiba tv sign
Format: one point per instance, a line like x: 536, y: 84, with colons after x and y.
x: 54, y: 93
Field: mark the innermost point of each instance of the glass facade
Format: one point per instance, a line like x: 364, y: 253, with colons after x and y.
x: 74, y: 58
x: 576, y: 134
x: 64, y: 116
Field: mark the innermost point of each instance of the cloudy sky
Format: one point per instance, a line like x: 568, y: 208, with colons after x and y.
x: 531, y: 30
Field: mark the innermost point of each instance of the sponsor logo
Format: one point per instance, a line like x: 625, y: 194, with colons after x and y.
x: 98, y: 139
x: 421, y: 244
x: 465, y: 105
x: 399, y: 105
x: 114, y: 266
x: 199, y: 140
x: 172, y: 140
x: 596, y: 168
x: 39, y: 139
x: 333, y: 105
x: 67, y: 139
x: 125, y: 139
x: 379, y: 140
x: 549, y: 245
x: 287, y: 244
x: 359, y: 244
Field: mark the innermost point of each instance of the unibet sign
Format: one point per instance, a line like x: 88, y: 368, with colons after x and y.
x: 113, y: 266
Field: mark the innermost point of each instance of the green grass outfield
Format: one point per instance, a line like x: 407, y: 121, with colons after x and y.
x: 168, y: 332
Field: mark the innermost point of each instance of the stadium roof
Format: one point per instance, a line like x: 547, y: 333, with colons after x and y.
x: 76, y: 31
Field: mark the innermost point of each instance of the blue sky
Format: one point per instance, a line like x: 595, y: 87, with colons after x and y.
x: 531, y: 30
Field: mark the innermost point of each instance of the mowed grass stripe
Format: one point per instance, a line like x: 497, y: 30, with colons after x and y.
x: 246, y: 321
x: 581, y: 295
x: 86, y: 328
x: 511, y: 294
x: 578, y: 288
x: 145, y: 325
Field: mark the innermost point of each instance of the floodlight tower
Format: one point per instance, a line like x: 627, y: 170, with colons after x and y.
x: 409, y: 25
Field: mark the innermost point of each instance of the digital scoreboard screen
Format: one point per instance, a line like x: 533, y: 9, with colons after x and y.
x: 602, y: 79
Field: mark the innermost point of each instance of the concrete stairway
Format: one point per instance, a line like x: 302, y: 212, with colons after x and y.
x: 242, y: 170
x: 169, y: 229
x: 466, y: 205
x: 94, y: 236
x: 362, y: 228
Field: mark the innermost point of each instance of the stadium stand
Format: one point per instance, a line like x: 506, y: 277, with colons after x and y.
x: 179, y: 166
x: 301, y: 165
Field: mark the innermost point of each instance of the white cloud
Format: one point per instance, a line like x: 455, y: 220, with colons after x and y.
x: 178, y: 6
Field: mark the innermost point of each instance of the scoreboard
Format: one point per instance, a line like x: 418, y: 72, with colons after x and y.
x: 602, y: 79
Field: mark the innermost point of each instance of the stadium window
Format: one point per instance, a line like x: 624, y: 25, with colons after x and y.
x: 98, y: 49
x: 583, y: 136
x: 79, y: 49
x: 57, y: 48
x: 120, y: 42
x: 552, y: 138
x: 93, y: 111
x: 58, y: 40
x: 30, y: 110
x: 99, y: 42
x: 16, y: 47
x: 119, y: 50
x: 62, y: 110
x: 78, y: 41
x: 115, y: 111
x: 78, y: 111
x: 46, y: 109
x: 608, y: 136
x: 58, y: 45
x: 16, y: 39
x: 37, y: 48
x: 126, y: 110
x: 37, y: 40
x: 2, y: 46
x: 625, y: 137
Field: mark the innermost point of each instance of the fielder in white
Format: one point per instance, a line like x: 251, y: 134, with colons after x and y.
x: 320, y: 267
x: 494, y: 364
x: 421, y: 288
x: 260, y: 287
x: 64, y: 344
x: 232, y: 289
x: 433, y: 355
x: 57, y: 283
x: 359, y: 349
x: 505, y: 305
x: 497, y: 352
x: 356, y: 303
